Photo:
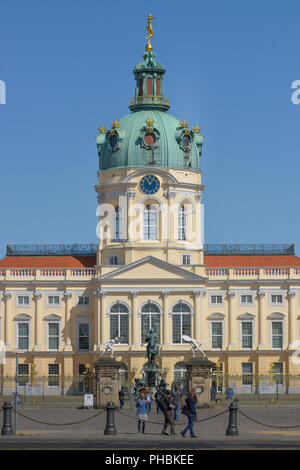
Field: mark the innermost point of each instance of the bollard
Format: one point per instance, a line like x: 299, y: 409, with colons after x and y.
x: 7, y: 429
x: 110, y: 429
x: 232, y: 429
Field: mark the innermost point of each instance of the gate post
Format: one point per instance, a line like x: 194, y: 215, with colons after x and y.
x: 7, y: 429
x: 232, y: 429
x: 110, y: 428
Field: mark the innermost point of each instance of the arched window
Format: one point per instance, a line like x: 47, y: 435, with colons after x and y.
x: 180, y: 376
x: 119, y: 322
x: 182, y: 216
x: 123, y: 376
x: 181, y: 322
x: 150, y: 222
x: 150, y: 314
x: 118, y: 224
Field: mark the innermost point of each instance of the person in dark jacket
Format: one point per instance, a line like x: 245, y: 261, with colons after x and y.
x: 168, y: 406
x: 190, y: 403
x: 121, y: 397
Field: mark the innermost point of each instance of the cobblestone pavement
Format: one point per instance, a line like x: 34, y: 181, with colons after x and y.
x: 210, y: 433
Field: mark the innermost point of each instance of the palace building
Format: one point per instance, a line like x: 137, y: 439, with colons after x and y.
x: 150, y: 270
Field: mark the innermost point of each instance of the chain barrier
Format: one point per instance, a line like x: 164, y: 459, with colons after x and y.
x: 268, y: 425
x: 176, y: 424
x: 60, y: 424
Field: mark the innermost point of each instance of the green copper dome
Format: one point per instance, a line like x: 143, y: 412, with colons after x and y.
x: 149, y: 136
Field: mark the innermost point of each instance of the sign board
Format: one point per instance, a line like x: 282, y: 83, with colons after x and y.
x: 39, y: 388
x: 29, y: 388
x: 265, y: 387
x: 88, y: 400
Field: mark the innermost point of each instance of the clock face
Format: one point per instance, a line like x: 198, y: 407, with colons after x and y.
x: 149, y: 184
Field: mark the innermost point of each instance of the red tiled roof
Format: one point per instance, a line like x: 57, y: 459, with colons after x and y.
x: 48, y: 262
x: 211, y: 261
x: 227, y: 261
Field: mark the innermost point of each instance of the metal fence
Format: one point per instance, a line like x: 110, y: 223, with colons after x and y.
x: 260, y: 389
x: 45, y: 391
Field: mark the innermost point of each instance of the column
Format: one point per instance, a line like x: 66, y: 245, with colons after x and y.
x: 197, y: 316
x: 68, y: 344
x: 261, y: 320
x: 38, y: 322
x: 165, y: 318
x: 293, y: 332
x: 231, y: 321
x: 97, y: 319
x: 8, y: 319
x: 104, y: 336
x: 135, y: 337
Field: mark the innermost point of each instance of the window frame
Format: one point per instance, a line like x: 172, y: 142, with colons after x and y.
x: 216, y: 303
x: 18, y: 305
x: 83, y: 322
x: 211, y: 322
x: 51, y: 322
x: 275, y: 320
x: 18, y: 323
x: 147, y: 212
x: 53, y: 305
x: 189, y: 314
x: 251, y: 321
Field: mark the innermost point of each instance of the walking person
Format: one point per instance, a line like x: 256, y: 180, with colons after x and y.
x: 191, y: 409
x: 149, y: 399
x: 177, y: 398
x: 121, y: 397
x: 195, y: 398
x: 142, y: 412
x: 158, y: 396
x: 168, y: 406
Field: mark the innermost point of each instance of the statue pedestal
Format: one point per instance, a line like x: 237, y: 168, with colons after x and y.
x: 107, y: 376
x: 198, y: 376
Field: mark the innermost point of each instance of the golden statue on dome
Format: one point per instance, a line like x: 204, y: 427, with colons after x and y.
x: 149, y: 47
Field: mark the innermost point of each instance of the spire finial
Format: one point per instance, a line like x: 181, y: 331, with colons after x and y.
x: 149, y: 47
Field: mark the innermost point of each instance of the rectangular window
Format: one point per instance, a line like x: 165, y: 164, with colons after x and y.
x: 82, y: 300
x: 84, y: 336
x: 278, y: 372
x: 113, y: 259
x: 247, y: 334
x: 53, y: 375
x: 246, y: 299
x: 53, y: 336
x: 277, y: 334
x: 247, y: 373
x: 216, y: 299
x: 216, y: 335
x: 23, y: 300
x: 276, y: 299
x: 23, y: 374
x: 23, y: 335
x: 53, y: 300
x: 186, y: 259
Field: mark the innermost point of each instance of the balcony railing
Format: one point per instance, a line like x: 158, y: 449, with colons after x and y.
x: 42, y: 273
x: 254, y: 273
x: 149, y: 99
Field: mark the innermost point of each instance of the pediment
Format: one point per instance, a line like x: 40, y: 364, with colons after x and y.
x: 151, y: 268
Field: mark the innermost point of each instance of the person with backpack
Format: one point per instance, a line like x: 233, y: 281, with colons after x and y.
x: 167, y: 407
x: 142, y: 412
x: 158, y: 396
x: 191, y: 410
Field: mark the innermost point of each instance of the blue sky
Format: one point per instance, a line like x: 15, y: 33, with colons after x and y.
x: 68, y: 67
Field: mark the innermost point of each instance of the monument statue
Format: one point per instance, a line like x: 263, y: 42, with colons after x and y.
x: 152, y: 348
x: 195, y: 344
x: 149, y: 28
x: 109, y: 346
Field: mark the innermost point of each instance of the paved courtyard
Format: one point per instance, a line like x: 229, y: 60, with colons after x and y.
x: 211, y: 434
